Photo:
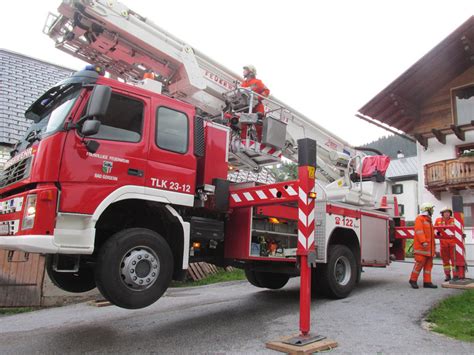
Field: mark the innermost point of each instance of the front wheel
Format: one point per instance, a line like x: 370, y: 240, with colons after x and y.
x: 75, y: 282
x: 338, y: 277
x: 134, y: 268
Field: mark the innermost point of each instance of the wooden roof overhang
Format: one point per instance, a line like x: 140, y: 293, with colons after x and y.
x: 398, y: 104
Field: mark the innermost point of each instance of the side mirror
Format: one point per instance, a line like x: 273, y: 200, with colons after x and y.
x: 99, y: 101
x: 90, y: 127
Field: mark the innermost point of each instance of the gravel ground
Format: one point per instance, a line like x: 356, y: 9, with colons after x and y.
x: 382, y: 315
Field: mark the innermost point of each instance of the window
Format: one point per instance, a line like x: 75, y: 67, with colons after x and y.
x: 123, y: 120
x: 468, y: 210
x: 401, y: 209
x: 465, y: 150
x: 397, y: 189
x: 463, y: 101
x: 172, y: 130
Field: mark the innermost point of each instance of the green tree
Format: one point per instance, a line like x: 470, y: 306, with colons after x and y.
x: 285, y: 172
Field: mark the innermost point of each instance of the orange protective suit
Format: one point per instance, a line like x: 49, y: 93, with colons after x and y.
x: 448, y: 247
x: 257, y: 86
x: 424, y: 233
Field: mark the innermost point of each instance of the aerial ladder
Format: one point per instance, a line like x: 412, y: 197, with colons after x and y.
x: 128, y: 46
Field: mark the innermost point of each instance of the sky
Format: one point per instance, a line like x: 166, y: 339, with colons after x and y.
x: 324, y: 58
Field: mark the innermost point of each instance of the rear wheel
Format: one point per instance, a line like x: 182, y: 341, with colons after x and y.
x: 75, y: 282
x: 270, y: 280
x: 134, y: 268
x: 338, y: 277
x: 252, y: 278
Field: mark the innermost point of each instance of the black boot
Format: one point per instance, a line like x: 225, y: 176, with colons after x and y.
x: 448, y: 278
x: 413, y: 284
x: 429, y: 285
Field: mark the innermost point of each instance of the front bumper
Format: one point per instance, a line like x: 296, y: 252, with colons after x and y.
x: 44, y: 244
x: 30, y: 243
x: 52, y: 232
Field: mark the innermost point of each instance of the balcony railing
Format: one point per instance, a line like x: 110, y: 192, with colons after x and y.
x: 455, y: 174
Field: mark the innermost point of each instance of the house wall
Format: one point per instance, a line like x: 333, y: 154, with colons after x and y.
x: 409, y: 198
x: 436, y: 112
x: 437, y: 152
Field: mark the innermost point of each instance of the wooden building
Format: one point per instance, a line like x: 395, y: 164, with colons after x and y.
x: 433, y: 103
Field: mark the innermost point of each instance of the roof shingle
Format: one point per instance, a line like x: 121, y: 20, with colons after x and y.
x: 22, y: 80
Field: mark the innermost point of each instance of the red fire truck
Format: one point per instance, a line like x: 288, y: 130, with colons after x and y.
x: 122, y: 181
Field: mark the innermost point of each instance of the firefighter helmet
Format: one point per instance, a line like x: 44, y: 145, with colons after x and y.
x: 426, y: 207
x: 446, y: 209
x: 251, y: 69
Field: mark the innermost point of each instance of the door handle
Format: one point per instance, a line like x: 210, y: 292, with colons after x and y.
x: 135, y: 172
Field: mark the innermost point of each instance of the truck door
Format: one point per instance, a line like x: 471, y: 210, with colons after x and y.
x: 88, y: 178
x: 171, y: 170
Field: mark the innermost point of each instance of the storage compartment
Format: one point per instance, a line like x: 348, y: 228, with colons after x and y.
x: 205, y: 229
x: 265, y: 232
x: 273, y: 237
x: 214, y: 163
x: 274, y: 132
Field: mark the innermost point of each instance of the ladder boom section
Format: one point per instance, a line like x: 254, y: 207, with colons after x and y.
x: 127, y: 45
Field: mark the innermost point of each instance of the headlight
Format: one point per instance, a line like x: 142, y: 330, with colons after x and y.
x: 30, y: 213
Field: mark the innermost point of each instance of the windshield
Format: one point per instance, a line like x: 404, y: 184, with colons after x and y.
x: 51, y: 109
x: 55, y: 118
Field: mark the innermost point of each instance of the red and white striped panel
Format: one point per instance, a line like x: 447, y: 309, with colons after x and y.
x: 458, y: 235
x: 409, y: 232
x: 306, y: 206
x: 260, y: 195
x: 261, y: 148
x: 444, y: 232
x: 404, y: 232
x: 305, y: 220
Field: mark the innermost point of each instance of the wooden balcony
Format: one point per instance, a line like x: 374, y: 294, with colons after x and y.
x: 450, y: 175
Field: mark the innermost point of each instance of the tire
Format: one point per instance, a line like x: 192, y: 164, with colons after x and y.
x: 271, y: 280
x: 316, y: 284
x: 75, y: 282
x: 252, y: 278
x: 338, y: 277
x: 134, y: 268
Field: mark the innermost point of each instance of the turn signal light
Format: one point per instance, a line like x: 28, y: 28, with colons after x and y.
x: 46, y: 195
x: 196, y: 245
x: 312, y: 194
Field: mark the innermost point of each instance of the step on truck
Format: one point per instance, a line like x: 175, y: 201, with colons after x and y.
x: 123, y: 179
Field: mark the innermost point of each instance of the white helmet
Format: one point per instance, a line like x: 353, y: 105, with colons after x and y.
x: 446, y: 209
x: 426, y: 207
x: 251, y: 69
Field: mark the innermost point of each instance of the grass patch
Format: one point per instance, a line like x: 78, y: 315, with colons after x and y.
x: 220, y: 276
x: 409, y: 248
x: 12, y: 311
x: 454, y: 316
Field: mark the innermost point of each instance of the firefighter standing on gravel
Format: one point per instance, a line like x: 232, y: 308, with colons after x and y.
x: 447, y: 245
x: 423, y: 247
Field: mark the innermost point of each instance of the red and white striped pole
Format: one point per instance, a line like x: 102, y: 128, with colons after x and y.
x: 459, y: 257
x: 306, y: 248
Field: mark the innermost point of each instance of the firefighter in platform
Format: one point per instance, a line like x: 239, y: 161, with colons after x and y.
x: 423, y: 247
x: 255, y: 85
x: 447, y: 245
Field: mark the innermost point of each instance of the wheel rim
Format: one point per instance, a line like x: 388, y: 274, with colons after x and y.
x: 342, y: 271
x: 140, y: 268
